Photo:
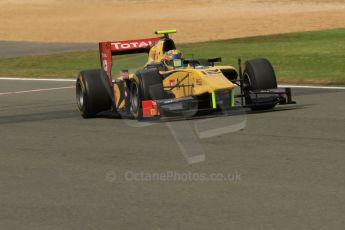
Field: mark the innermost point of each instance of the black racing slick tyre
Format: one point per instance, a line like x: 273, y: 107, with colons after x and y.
x: 135, y: 100
x: 93, y: 92
x: 146, y: 85
x: 259, y: 75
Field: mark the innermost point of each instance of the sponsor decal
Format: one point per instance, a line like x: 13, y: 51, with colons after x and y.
x: 173, y: 82
x: 105, y: 65
x: 150, y: 108
x: 131, y: 45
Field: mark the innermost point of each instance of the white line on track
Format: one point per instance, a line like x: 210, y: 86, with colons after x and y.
x: 312, y: 87
x: 73, y: 80
x: 38, y: 79
x: 36, y: 90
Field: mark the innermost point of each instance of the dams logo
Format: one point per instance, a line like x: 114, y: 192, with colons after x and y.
x: 172, y: 83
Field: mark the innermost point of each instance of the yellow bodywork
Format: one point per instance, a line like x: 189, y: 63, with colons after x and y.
x: 188, y: 81
x: 156, y: 53
x: 193, y: 82
x: 184, y: 81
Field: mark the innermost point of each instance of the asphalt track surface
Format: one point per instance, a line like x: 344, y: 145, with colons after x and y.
x: 59, y: 171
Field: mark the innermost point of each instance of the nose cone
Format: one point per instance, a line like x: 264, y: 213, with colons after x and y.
x: 210, y: 81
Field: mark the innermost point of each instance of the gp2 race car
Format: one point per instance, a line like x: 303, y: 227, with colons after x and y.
x: 170, y: 85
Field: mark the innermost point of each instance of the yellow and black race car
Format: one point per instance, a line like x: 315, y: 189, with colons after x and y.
x: 169, y: 84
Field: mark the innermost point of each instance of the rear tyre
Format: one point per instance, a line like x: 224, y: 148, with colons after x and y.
x: 93, y: 92
x: 259, y: 75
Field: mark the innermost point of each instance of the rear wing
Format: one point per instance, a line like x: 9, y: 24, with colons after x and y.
x: 110, y: 48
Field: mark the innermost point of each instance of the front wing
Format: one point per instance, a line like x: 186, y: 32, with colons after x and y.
x: 221, y: 100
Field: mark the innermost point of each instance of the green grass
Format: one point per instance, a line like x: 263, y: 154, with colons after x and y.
x: 312, y: 57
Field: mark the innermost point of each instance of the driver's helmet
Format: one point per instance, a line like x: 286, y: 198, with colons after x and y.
x: 173, y: 59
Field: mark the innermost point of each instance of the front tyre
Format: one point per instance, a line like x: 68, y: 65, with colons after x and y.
x: 259, y: 75
x: 145, y: 85
x: 135, y: 101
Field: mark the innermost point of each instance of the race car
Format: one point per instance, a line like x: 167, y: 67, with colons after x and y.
x: 169, y: 84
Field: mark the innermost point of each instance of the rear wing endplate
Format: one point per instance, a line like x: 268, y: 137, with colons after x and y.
x: 110, y: 48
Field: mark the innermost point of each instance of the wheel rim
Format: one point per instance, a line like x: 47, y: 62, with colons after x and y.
x: 134, y: 98
x: 80, y: 96
x: 246, y: 81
